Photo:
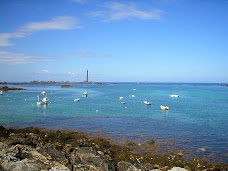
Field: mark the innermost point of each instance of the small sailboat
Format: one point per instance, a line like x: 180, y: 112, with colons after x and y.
x: 85, y: 94
x: 147, y: 103
x: 44, y: 101
x: 164, y: 107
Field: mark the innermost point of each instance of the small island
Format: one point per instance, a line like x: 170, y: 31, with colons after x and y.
x: 66, y: 86
x: 6, y: 88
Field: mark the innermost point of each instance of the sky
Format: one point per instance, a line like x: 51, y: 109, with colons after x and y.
x: 117, y: 41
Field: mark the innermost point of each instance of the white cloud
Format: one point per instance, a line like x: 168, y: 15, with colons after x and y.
x: 57, y: 23
x: 120, y: 11
x: 12, y: 58
x: 4, y: 38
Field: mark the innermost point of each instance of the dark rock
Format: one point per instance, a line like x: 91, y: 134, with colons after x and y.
x: 126, y: 166
x: 66, y: 86
x: 59, y: 168
x: 224, y: 85
x: 145, y: 167
x: 49, y: 150
x: 19, y: 166
x: 84, y: 167
x: 4, y: 132
x: 6, y: 88
x: 30, y: 139
x: 91, y: 157
x: 151, y: 142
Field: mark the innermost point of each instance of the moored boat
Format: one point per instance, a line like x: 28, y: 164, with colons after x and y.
x: 174, y: 95
x: 76, y: 100
x: 85, y: 94
x: 147, y: 103
x: 43, y: 93
x: 44, y: 101
x: 164, y: 107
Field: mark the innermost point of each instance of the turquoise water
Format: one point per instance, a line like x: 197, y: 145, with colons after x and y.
x: 197, y: 119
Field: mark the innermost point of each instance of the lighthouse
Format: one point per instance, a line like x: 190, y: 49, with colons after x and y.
x: 87, y: 79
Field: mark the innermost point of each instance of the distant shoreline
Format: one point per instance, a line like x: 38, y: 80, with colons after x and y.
x: 115, y: 82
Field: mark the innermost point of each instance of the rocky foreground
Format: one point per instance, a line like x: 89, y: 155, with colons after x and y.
x: 34, y: 149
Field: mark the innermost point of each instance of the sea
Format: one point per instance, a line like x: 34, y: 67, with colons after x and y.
x: 196, y: 121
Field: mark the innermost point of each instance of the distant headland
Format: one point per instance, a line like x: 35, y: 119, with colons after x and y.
x: 63, y: 82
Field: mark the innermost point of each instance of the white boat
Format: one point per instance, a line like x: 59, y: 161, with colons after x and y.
x: 164, y: 107
x: 44, y: 101
x: 1, y: 92
x: 76, y: 100
x: 85, y: 94
x: 121, y: 98
x: 134, y: 89
x: 174, y: 95
x: 43, y: 93
x: 132, y: 95
x: 147, y: 103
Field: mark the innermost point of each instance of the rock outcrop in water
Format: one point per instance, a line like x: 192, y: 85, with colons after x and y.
x: 6, y: 88
x: 66, y: 86
x: 35, y: 149
x: 226, y: 85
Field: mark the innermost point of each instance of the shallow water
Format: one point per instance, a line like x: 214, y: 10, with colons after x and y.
x: 197, y: 119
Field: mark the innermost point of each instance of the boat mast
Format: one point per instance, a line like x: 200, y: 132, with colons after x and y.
x: 87, y: 80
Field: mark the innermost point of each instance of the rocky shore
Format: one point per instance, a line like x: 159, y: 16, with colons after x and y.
x: 34, y: 149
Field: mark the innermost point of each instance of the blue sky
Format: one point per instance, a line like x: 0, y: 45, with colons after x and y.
x: 119, y: 40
